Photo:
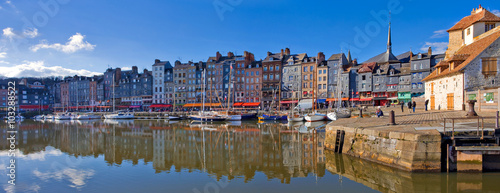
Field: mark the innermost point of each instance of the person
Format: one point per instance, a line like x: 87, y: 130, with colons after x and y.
x: 409, y: 106
x: 380, y: 113
x: 414, y: 105
x: 402, y: 106
x: 426, y: 103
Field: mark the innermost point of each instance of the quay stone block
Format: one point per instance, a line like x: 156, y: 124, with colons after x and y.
x: 396, y: 135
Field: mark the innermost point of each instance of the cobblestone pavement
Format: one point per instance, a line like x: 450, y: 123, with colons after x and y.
x: 408, y: 121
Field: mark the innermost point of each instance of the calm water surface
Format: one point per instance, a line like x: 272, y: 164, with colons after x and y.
x: 162, y: 156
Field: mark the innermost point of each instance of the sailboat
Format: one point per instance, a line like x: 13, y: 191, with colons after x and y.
x: 232, y: 116
x: 314, y: 115
x: 207, y: 116
x: 272, y: 116
x: 118, y: 115
x: 169, y: 117
x: 339, y: 112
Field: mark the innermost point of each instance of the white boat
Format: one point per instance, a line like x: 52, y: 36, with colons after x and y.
x: 295, y: 118
x: 39, y: 117
x: 234, y: 118
x: 172, y: 117
x: 88, y: 117
x: 119, y: 116
x: 332, y: 116
x: 62, y: 116
x: 315, y: 117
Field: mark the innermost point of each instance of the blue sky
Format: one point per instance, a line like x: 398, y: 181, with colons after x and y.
x: 35, y: 36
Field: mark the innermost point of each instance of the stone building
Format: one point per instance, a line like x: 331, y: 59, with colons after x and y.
x: 242, y: 63
x: 404, y: 85
x: 422, y: 65
x: 253, y: 85
x: 180, y: 82
x: 322, y: 78
x: 335, y: 63
x: 160, y: 68
x: 470, y: 68
x: 365, y: 83
x: 291, y: 79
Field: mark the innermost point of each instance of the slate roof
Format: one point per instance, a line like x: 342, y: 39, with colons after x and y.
x: 385, y: 57
x: 473, y: 50
x: 335, y: 57
x: 483, y: 16
x: 367, y: 67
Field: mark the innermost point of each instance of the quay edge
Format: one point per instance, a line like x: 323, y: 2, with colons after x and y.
x: 418, y: 151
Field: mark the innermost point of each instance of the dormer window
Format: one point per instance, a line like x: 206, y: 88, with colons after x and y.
x: 488, y: 26
x: 392, y: 72
x: 468, y: 31
x: 419, y: 56
x: 379, y: 71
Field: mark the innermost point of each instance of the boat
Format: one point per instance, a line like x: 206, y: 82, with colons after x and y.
x: 62, y: 116
x: 121, y: 115
x: 312, y: 117
x: 339, y: 112
x: 295, y: 117
x: 247, y: 116
x: 172, y: 117
x: 87, y: 117
x: 39, y: 117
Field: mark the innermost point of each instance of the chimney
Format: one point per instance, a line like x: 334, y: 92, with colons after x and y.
x: 218, y: 56
x: 354, y: 62
x: 411, y: 55
x: 320, y: 58
x: 118, y: 75
x: 157, y: 61
x: 145, y: 71
x: 230, y: 55
x: 134, y: 69
x: 287, y: 51
x: 429, y: 51
x: 269, y: 53
x: 282, y: 52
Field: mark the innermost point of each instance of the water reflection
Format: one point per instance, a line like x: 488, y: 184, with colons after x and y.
x: 235, y: 149
x: 387, y: 179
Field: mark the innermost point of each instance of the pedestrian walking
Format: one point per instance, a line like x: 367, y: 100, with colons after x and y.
x: 402, y: 106
x: 409, y: 106
x: 426, y: 103
x: 414, y: 105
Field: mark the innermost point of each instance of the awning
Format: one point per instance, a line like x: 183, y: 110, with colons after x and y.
x: 122, y: 106
x: 288, y: 102
x: 366, y: 99
x: 237, y: 104
x: 33, y: 106
x: 160, y: 106
x: 354, y: 99
x: 379, y: 98
x: 200, y: 105
x: 135, y: 106
x: 336, y: 99
x: 251, y: 104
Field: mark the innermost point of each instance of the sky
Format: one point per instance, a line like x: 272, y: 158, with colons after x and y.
x: 77, y: 37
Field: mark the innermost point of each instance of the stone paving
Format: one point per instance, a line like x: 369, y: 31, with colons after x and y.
x: 408, y: 121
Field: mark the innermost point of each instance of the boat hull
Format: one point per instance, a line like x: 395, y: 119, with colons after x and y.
x: 247, y: 116
x: 207, y: 118
x: 117, y: 116
x: 313, y: 118
x: 332, y: 116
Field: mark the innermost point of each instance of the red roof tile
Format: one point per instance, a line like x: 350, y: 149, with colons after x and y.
x: 483, y: 16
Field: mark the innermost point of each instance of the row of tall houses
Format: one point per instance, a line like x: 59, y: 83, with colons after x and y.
x: 470, y: 68
x: 288, y: 78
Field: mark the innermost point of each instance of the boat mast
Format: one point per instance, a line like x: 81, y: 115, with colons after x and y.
x: 279, y: 92
x: 229, y: 91
x: 203, y: 94
x: 114, y: 92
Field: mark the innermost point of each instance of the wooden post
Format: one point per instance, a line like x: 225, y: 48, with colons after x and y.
x: 478, y: 98
x: 496, y: 123
x: 448, y: 158
x: 360, y: 112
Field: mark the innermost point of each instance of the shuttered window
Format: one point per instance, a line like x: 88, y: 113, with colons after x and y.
x: 489, y: 66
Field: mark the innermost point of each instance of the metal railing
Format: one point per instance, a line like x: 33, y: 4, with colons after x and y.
x: 480, y: 125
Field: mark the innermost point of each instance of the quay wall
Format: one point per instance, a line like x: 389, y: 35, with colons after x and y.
x: 407, y: 150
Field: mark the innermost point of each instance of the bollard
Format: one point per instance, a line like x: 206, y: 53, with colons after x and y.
x: 392, y: 118
x: 360, y: 112
x: 497, y: 125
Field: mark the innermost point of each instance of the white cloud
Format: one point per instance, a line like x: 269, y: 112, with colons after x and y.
x: 31, y: 33
x: 74, y: 44
x: 3, y: 54
x: 76, y: 177
x: 38, y: 69
x: 126, y: 68
x: 437, y: 47
x: 496, y: 12
x: 40, y: 156
x: 439, y: 33
x: 9, y: 32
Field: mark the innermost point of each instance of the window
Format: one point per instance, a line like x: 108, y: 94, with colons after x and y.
x: 324, y: 71
x: 305, y: 77
x: 312, y: 68
x: 319, y: 72
x: 305, y: 69
x: 251, y: 73
x: 489, y: 66
x: 271, y: 77
x: 265, y: 68
x: 319, y: 78
x: 277, y: 68
x: 468, y: 31
x: 265, y: 77
x: 363, y: 77
x: 270, y: 68
x: 257, y: 73
x: 290, y: 78
x: 277, y: 76
x: 488, y: 26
